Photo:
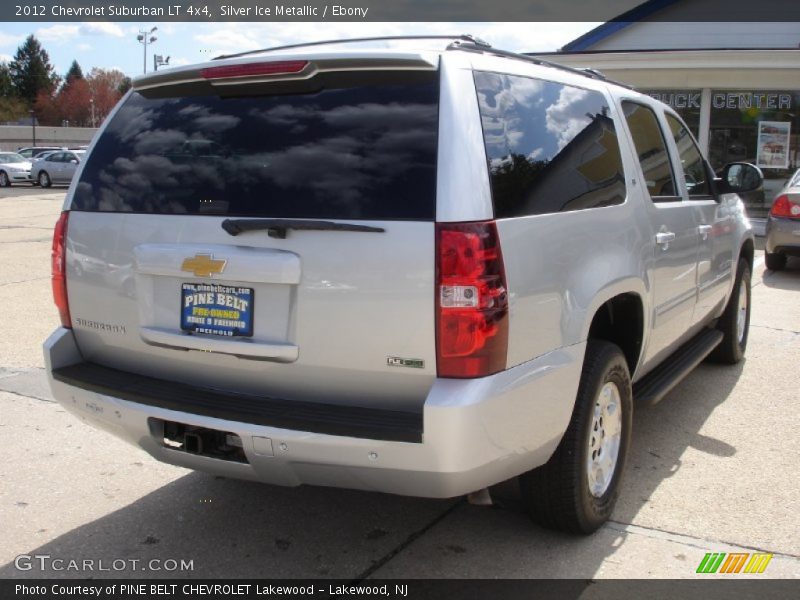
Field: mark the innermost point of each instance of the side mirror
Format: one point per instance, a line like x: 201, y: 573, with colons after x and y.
x: 736, y: 178
x: 74, y: 161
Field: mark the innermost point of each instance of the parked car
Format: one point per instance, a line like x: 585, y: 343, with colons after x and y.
x: 14, y: 169
x: 783, y: 225
x: 411, y: 271
x: 56, y: 168
x: 43, y: 155
x: 34, y: 151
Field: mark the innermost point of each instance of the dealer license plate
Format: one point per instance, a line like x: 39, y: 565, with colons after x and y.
x: 217, y: 309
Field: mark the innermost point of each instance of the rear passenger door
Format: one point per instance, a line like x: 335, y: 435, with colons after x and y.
x: 68, y: 167
x: 674, y: 260
x: 54, y: 165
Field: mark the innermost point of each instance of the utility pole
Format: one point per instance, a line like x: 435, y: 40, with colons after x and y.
x: 146, y: 37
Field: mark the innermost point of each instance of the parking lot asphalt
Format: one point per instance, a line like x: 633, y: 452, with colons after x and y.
x: 713, y: 468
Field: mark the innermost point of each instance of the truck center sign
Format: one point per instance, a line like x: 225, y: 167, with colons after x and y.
x: 736, y: 100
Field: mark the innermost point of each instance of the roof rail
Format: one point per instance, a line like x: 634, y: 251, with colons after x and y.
x: 470, y: 46
x: 464, y: 37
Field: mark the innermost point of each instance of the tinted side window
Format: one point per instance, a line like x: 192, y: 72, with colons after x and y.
x: 360, y: 148
x: 551, y: 147
x: 691, y: 160
x: 651, y: 150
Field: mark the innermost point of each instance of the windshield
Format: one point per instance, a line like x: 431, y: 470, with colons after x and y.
x: 361, y: 151
x: 11, y: 157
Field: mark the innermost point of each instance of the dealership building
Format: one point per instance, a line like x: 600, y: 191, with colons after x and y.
x: 736, y: 84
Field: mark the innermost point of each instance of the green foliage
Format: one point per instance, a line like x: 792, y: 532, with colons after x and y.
x: 11, y: 107
x: 75, y: 72
x: 6, y: 85
x: 125, y: 85
x: 31, y: 71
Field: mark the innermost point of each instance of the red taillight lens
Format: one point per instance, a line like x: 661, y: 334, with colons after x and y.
x: 254, y: 69
x: 784, y: 207
x: 471, y: 300
x: 59, y: 269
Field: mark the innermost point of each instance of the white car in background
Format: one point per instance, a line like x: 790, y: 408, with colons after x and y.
x: 58, y: 167
x: 14, y: 169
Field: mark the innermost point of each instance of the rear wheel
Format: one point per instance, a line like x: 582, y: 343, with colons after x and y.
x: 735, y: 321
x: 44, y: 179
x: 4, y: 180
x: 775, y: 261
x: 577, y: 489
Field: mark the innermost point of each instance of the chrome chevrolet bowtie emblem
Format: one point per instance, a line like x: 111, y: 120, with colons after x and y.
x: 203, y: 265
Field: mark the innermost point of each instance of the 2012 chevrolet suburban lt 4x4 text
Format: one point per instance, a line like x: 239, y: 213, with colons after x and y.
x: 417, y: 271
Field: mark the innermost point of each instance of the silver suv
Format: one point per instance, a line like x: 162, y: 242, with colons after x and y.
x: 420, y: 272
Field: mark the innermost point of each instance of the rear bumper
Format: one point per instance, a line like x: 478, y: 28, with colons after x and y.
x: 783, y: 235
x: 474, y: 433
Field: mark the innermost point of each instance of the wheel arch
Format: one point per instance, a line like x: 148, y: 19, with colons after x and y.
x: 747, y: 251
x: 620, y: 319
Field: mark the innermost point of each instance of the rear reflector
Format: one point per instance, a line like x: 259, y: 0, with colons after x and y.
x: 59, y: 269
x: 254, y: 69
x: 784, y: 207
x: 471, y: 299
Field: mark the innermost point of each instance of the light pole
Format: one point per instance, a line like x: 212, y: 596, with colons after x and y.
x: 91, y: 103
x: 33, y: 124
x: 146, y: 37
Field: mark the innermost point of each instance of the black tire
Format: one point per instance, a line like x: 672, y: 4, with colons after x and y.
x: 558, y: 495
x: 734, y: 343
x: 44, y: 179
x: 4, y: 179
x: 775, y: 261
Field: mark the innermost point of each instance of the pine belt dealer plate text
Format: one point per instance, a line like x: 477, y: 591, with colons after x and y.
x: 217, y: 309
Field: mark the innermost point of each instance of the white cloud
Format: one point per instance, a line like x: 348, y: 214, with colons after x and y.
x: 57, y: 33
x: 4, y: 58
x: 101, y: 28
x: 63, y: 33
x: 568, y: 116
x: 84, y: 47
x: 9, y: 39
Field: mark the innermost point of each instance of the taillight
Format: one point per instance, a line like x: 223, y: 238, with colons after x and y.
x: 59, y: 269
x: 471, y: 299
x: 784, y: 207
x: 283, y: 67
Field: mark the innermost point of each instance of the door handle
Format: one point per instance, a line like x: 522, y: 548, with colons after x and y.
x: 704, y: 230
x: 664, y: 238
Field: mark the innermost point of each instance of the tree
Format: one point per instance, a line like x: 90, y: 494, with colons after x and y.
x: 75, y: 72
x: 31, y: 71
x: 104, y: 88
x: 74, y: 102
x: 6, y: 84
x: 125, y: 85
x: 11, y: 108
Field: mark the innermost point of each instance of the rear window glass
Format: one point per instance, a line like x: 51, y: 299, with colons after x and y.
x: 357, y: 152
x: 551, y: 147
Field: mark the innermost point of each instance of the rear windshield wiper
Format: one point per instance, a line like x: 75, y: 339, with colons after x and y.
x: 277, y: 228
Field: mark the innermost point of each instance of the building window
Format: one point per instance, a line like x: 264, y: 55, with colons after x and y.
x: 684, y: 102
x: 737, y: 116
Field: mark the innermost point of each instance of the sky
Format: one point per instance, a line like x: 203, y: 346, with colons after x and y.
x: 113, y: 45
